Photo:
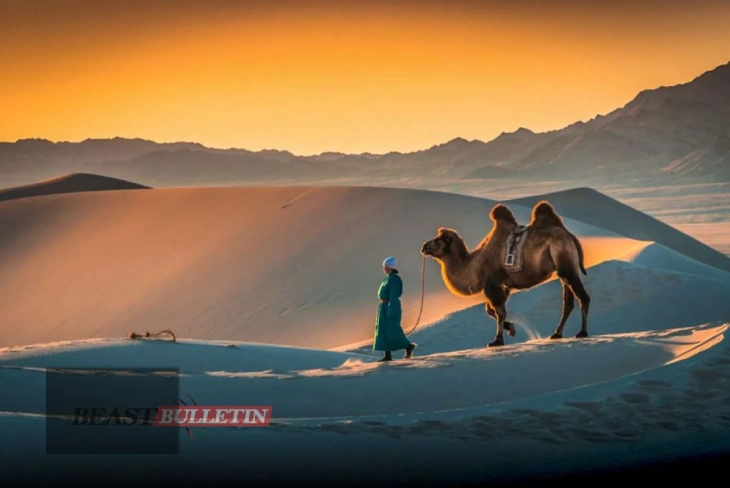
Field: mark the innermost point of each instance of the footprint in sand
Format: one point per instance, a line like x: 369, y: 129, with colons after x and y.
x: 430, y: 423
x: 427, y: 427
x: 484, y: 420
x: 634, y: 398
x: 482, y: 431
x: 599, y: 438
x: 463, y: 437
x: 337, y: 428
x: 719, y: 362
x: 612, y: 423
x: 389, y: 430
x: 547, y: 417
x: 591, y: 407
x: 528, y: 411
x: 667, y: 401
x: 669, y: 425
x: 707, y: 375
x: 549, y: 440
x: 701, y: 394
x: 654, y: 383
x: 627, y: 435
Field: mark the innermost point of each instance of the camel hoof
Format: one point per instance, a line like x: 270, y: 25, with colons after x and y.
x: 581, y: 335
x: 556, y: 336
x: 510, y: 328
x: 497, y: 342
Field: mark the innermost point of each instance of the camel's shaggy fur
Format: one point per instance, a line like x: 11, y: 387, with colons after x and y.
x: 550, y: 248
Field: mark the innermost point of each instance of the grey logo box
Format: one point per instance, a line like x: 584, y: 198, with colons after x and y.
x: 109, y: 410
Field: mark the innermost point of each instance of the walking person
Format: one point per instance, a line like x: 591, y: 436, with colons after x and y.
x: 389, y: 335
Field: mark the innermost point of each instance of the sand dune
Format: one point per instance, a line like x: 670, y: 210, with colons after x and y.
x: 588, y: 205
x: 533, y: 403
x: 71, y: 183
x: 298, y: 268
x: 343, y: 383
x: 658, y: 257
x: 287, y: 265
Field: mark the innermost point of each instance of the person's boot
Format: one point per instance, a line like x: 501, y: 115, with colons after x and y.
x: 386, y: 357
x: 409, y: 351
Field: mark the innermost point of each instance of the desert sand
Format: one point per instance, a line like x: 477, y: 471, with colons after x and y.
x: 272, y: 294
x: 296, y: 266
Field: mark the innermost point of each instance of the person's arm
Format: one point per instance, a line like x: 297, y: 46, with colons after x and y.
x: 395, y: 290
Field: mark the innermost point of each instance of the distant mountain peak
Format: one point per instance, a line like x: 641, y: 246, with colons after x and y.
x: 721, y: 71
x: 282, y: 152
x: 456, y: 141
x: 521, y: 132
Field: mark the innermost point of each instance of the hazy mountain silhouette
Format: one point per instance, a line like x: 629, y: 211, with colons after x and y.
x: 682, y: 130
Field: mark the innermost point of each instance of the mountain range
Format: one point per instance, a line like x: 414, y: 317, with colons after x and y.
x: 680, y: 131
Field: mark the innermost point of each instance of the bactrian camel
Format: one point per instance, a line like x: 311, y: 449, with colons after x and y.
x: 514, y: 257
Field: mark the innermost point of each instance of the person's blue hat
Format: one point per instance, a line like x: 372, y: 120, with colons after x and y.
x: 390, y: 262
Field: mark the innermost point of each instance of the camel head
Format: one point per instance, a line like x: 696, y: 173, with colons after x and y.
x: 442, y: 245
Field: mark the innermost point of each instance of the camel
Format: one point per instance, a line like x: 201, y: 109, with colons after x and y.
x: 514, y: 257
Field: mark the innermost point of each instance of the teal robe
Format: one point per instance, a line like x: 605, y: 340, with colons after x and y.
x: 389, y: 335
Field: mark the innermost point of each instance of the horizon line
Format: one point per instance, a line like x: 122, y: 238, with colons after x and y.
x: 233, y: 148
x: 368, y: 153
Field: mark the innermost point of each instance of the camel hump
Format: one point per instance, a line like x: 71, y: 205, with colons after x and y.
x: 544, y: 215
x: 502, y: 212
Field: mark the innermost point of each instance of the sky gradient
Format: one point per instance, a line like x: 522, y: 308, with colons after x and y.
x: 349, y: 76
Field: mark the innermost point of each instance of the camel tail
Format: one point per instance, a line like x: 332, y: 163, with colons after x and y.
x: 579, y: 246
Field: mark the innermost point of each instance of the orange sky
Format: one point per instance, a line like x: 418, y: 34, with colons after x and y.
x: 319, y: 76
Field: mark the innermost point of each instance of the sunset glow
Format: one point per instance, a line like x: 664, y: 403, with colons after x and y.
x: 368, y: 77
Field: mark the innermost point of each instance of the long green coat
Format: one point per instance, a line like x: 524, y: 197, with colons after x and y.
x: 389, y: 335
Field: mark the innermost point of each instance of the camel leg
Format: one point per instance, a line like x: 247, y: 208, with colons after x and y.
x: 568, y: 306
x: 508, y: 326
x: 497, y: 298
x: 576, y: 285
x: 568, y: 272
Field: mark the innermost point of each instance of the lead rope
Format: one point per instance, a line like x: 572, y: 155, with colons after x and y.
x: 153, y: 335
x: 423, y: 291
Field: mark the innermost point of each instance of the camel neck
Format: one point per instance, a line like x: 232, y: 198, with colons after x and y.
x: 459, y: 275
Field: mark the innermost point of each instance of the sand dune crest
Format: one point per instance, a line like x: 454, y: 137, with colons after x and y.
x: 70, y: 183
